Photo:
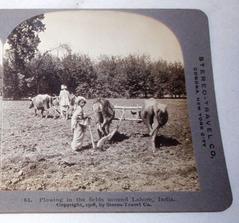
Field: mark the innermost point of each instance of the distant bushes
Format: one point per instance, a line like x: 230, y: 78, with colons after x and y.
x: 131, y: 76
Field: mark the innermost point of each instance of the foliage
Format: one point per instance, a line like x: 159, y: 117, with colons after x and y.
x: 23, y: 41
x: 130, y: 77
x: 22, y: 47
x: 28, y: 72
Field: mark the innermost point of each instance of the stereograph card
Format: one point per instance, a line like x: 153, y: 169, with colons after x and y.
x: 109, y: 110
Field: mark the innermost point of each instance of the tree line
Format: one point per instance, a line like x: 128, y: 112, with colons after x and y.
x: 27, y: 72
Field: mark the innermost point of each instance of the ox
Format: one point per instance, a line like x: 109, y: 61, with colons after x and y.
x: 41, y: 102
x: 104, y: 113
x: 154, y: 115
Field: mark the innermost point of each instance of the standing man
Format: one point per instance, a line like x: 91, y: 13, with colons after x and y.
x: 79, y: 122
x: 64, y: 101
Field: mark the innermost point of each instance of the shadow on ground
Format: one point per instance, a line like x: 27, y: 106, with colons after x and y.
x: 119, y: 137
x: 165, y: 141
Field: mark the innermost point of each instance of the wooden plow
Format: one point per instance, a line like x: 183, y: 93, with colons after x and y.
x: 131, y: 111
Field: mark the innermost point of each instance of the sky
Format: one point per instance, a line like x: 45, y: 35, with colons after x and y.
x: 110, y: 33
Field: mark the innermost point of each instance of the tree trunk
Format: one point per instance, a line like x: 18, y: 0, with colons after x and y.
x: 37, y: 87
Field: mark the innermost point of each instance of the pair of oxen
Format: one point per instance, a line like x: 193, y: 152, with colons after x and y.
x: 153, y: 113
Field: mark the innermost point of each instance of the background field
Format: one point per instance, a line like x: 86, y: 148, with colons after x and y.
x: 36, y: 154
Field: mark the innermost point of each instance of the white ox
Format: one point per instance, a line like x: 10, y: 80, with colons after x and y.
x: 41, y: 102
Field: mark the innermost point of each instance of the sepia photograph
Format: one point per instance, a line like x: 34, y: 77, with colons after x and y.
x: 95, y: 101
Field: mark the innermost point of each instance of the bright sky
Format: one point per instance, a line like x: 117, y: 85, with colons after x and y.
x: 109, y: 33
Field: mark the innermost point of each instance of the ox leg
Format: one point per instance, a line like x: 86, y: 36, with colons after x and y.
x: 35, y: 111
x: 46, y: 109
x: 55, y: 112
x: 99, y: 133
x: 104, y: 132
x: 99, y: 127
x: 100, y: 130
x: 103, y: 127
x: 147, y: 123
x: 154, y: 131
x: 107, y: 129
x: 153, y: 140
x: 42, y: 110
x: 155, y: 126
x: 47, y: 113
x: 106, y: 125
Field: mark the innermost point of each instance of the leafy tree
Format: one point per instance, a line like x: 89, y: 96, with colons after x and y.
x: 22, y: 47
x: 111, y: 76
x: 160, y: 77
x: 79, y: 74
x: 23, y: 41
x: 43, y: 74
x: 137, y: 69
x: 176, y: 82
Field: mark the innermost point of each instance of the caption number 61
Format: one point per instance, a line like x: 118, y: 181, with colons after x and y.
x: 27, y: 200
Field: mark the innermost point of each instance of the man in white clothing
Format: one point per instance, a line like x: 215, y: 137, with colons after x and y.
x: 64, y: 101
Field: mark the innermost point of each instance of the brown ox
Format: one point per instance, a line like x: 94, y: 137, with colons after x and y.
x: 41, y: 102
x: 154, y: 115
x: 104, y: 113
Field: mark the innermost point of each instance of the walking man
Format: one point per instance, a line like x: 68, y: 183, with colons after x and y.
x: 64, y: 101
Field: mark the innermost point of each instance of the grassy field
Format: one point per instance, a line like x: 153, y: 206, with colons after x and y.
x: 36, y: 153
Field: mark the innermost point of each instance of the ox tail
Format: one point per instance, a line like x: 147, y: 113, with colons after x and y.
x: 162, y: 117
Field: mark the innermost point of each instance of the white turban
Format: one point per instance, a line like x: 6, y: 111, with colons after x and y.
x: 63, y: 87
x: 80, y: 98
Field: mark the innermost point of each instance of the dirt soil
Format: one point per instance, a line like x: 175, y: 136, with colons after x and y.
x: 36, y: 153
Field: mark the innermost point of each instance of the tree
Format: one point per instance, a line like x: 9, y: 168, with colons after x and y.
x: 160, y: 77
x: 43, y: 73
x: 137, y: 70
x: 176, y: 81
x: 22, y: 47
x: 23, y: 41
x: 79, y: 74
x: 111, y: 76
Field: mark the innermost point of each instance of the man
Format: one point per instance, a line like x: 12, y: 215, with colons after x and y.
x: 104, y: 114
x: 79, y: 122
x: 64, y: 101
